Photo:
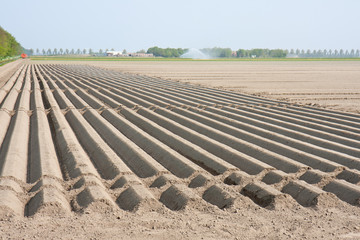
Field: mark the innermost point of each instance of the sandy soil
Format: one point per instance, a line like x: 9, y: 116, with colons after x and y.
x: 331, y: 84
x: 198, y: 181
x: 8, y: 69
x: 246, y: 223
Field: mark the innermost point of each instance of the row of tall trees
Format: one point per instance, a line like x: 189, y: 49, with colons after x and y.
x: 60, y: 51
x: 281, y: 53
x: 326, y: 53
x: 8, y: 45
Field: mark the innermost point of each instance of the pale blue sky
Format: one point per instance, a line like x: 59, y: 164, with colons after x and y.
x: 140, y: 24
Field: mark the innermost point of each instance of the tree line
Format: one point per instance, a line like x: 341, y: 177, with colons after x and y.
x: 282, y: 53
x: 215, y: 52
x: 261, y: 53
x: 166, y: 52
x: 177, y: 52
x: 218, y: 52
x: 66, y: 51
x: 326, y: 53
x: 9, y: 47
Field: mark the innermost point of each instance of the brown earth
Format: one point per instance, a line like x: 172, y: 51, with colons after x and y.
x: 8, y: 69
x: 330, y: 84
x: 87, y: 153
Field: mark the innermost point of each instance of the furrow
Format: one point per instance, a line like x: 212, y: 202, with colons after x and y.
x: 302, y: 144
x: 312, y: 117
x: 176, y: 163
x: 338, y: 132
x: 71, y: 153
x: 205, y: 159
x: 43, y: 158
x: 278, y: 161
x: 4, y: 90
x: 14, y: 149
x: 282, y: 149
x: 306, y: 123
x: 83, y: 139
x: 103, y: 157
x: 240, y: 160
x: 283, y: 164
x: 170, y: 159
x: 284, y: 131
x: 331, y: 113
x: 7, y: 107
x: 354, y: 145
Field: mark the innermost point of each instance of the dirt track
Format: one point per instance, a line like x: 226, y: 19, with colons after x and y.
x: 84, y: 143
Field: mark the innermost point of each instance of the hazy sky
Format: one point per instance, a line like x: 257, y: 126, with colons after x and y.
x: 140, y: 24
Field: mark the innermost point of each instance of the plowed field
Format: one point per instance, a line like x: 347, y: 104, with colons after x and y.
x: 331, y: 84
x: 144, y: 157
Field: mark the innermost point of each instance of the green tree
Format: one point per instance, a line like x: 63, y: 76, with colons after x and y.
x: 166, y: 52
x: 314, y: 53
x: 341, y: 53
x: 258, y: 52
x: 8, y: 45
x: 242, y: 53
x: 319, y: 53
x: 352, y: 53
x: 277, y: 53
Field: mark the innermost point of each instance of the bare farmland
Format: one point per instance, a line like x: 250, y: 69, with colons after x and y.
x: 330, y: 84
x: 104, y: 154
